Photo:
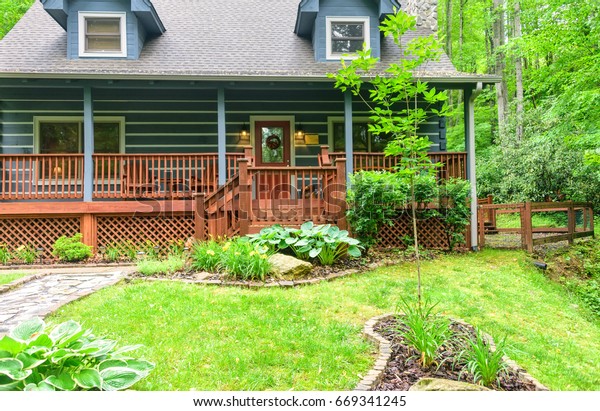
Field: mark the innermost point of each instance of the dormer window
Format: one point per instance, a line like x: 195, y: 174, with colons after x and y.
x: 102, y: 35
x: 346, y: 36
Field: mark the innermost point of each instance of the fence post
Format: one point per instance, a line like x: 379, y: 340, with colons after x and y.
x: 340, y: 184
x: 248, y: 153
x: 526, y: 227
x: 199, y: 216
x: 245, y: 197
x: 481, y: 225
x: 89, y: 231
x: 591, y: 211
x: 571, y: 224
x: 324, y: 159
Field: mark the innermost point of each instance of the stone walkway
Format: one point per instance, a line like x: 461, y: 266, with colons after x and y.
x: 40, y: 297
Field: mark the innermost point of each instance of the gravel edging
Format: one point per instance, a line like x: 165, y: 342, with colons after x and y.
x: 373, y: 377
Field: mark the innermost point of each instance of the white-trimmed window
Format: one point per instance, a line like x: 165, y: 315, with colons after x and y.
x: 345, y: 36
x: 362, y: 139
x: 102, y: 34
x: 64, y: 135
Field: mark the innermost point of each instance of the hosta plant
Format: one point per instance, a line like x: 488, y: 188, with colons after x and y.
x: 65, y: 357
x: 325, y: 243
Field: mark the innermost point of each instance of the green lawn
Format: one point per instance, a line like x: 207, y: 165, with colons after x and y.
x: 308, y: 338
x: 8, y: 278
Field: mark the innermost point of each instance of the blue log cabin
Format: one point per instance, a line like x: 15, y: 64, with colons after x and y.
x: 163, y: 119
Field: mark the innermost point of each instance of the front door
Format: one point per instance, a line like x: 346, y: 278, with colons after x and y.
x: 272, y: 149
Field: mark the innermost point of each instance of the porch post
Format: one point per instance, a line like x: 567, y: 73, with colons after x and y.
x: 88, y: 144
x: 469, y: 97
x: 222, y: 137
x: 348, y: 134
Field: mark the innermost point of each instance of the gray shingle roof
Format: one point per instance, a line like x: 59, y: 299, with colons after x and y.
x: 204, y: 39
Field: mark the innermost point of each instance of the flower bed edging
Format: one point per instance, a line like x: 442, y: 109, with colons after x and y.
x: 373, y: 377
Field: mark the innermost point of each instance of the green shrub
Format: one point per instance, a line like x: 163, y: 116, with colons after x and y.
x: 71, y: 249
x: 423, y: 330
x: 37, y: 357
x: 589, y: 292
x: 152, y: 266
x: 25, y: 253
x: 378, y: 197
x: 326, y: 243
x: 481, y: 361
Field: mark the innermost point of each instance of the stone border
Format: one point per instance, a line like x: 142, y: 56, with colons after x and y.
x: 257, y: 284
x: 18, y: 267
x: 373, y: 378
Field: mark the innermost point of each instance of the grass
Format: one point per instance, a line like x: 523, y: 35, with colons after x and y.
x: 212, y: 338
x: 170, y: 265
x: 9, y: 278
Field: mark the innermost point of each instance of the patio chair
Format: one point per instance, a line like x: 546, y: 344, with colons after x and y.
x: 137, y: 180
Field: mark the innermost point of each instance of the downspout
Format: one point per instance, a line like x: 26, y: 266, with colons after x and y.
x: 471, y: 163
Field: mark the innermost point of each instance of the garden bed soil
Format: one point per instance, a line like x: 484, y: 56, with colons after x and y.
x: 403, y: 369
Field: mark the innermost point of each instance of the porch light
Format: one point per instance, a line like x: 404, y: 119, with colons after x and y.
x: 244, y: 134
x: 299, y: 137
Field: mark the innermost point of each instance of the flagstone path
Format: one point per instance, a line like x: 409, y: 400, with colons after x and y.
x: 40, y: 297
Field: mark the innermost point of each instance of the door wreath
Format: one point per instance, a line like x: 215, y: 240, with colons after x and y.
x: 273, y: 142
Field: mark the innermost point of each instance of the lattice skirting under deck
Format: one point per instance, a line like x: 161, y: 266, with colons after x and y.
x: 431, y: 233
x: 37, y: 232
x: 159, y: 230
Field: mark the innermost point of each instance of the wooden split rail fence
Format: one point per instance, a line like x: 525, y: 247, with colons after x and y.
x: 574, y: 211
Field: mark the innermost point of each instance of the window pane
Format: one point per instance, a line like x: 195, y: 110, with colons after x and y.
x: 360, y: 136
x: 346, y: 46
x: 103, y: 26
x: 272, y: 144
x: 347, y: 30
x: 59, y: 138
x: 379, y: 142
x: 104, y: 43
x: 106, y: 137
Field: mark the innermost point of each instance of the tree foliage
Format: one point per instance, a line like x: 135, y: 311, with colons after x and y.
x: 10, y: 12
x: 558, y: 153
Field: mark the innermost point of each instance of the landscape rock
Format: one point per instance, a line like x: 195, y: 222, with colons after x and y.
x: 288, y: 267
x: 438, y: 384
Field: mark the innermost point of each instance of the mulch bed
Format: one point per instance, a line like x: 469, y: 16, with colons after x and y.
x: 404, y: 370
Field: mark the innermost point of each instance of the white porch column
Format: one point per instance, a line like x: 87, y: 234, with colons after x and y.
x: 222, y: 137
x: 348, y: 135
x: 88, y: 144
x: 469, y: 97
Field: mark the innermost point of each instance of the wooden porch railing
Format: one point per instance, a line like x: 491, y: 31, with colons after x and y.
x: 41, y: 176
x: 116, y: 176
x: 454, y: 164
x: 262, y: 196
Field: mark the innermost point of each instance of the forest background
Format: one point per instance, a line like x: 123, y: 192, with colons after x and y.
x: 538, y: 131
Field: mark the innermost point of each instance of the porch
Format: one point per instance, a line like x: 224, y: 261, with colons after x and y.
x: 159, y: 198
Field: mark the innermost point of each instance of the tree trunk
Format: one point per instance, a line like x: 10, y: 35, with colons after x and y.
x: 518, y: 70
x: 449, y: 28
x: 499, y: 32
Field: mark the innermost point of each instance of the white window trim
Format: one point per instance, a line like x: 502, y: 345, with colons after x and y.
x: 339, y: 19
x: 123, y: 27
x: 76, y: 119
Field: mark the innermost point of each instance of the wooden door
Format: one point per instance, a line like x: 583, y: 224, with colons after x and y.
x: 272, y: 148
